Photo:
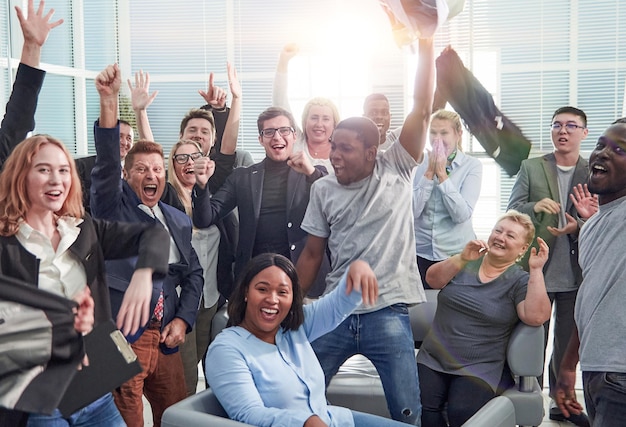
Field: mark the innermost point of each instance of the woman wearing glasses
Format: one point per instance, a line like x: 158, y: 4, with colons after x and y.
x: 205, y: 241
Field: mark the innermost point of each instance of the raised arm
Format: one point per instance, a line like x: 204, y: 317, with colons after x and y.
x: 35, y: 28
x: 141, y: 98
x: 231, y: 131
x: 536, y: 308
x: 19, y: 118
x: 441, y: 273
x: 280, y: 96
x: 415, y: 127
x: 106, y: 182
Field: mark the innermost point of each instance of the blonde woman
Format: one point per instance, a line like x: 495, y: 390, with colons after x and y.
x: 445, y: 191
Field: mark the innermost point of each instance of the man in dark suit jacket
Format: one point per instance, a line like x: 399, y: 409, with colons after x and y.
x: 84, y: 165
x: 271, y: 195
x: 542, y: 190
x: 136, y: 198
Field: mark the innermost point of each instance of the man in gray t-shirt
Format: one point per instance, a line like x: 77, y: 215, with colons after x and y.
x: 600, y: 337
x: 364, y: 212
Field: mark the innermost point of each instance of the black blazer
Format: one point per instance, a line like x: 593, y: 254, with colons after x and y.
x: 98, y: 240
x: 243, y: 190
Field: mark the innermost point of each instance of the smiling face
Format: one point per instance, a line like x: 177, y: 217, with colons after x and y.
x: 444, y: 130
x: 126, y: 139
x: 350, y: 158
x: 146, y: 176
x: 568, y: 141
x: 278, y: 147
x: 607, y: 165
x: 268, y: 300
x: 508, y: 241
x: 201, y: 131
x: 48, y: 181
x: 378, y: 111
x: 184, y: 172
x: 319, y: 124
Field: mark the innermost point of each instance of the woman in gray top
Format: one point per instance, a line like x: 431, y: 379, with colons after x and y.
x: 484, y: 294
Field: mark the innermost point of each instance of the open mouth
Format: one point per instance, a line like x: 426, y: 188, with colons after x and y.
x: 188, y: 171
x: 150, y: 190
x: 597, y: 169
x: 269, y: 313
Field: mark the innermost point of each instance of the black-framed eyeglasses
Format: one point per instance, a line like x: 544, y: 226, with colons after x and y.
x: 569, y: 127
x: 181, y: 159
x: 270, y: 132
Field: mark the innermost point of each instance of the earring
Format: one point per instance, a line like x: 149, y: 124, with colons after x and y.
x: 245, y: 299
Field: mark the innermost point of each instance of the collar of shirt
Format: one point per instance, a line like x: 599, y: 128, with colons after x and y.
x: 59, y: 271
x: 156, y: 213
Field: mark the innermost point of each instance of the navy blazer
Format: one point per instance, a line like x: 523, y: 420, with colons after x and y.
x: 113, y: 199
x: 243, y: 190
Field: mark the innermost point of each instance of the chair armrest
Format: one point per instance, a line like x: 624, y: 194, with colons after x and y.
x: 202, y: 408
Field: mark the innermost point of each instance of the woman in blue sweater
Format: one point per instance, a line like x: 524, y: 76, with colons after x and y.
x: 263, y: 369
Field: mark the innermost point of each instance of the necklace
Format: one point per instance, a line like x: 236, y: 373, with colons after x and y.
x: 483, y: 272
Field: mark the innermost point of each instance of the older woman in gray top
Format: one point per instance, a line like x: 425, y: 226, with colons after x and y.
x: 484, y: 294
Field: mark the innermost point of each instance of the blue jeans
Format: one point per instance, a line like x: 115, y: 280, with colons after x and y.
x: 605, y: 394
x: 101, y: 413
x: 386, y: 339
x: 362, y: 419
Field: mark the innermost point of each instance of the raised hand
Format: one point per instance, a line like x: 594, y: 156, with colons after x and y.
x: 36, y: 26
x: 569, y: 228
x: 300, y: 163
x: 289, y: 51
x: 539, y: 258
x: 473, y: 250
x: 140, y: 95
x: 361, y: 277
x: 215, y: 96
x: 204, y: 168
x: 233, y: 81
x: 108, y: 81
x: 586, y: 204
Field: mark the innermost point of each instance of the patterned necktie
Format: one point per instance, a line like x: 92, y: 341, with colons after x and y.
x: 158, y: 309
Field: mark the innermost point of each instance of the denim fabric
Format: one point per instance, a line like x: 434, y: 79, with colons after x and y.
x: 386, y: 339
x: 605, y: 394
x: 362, y: 419
x: 101, y: 413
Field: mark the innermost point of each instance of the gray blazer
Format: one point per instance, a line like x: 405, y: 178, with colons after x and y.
x: 536, y: 180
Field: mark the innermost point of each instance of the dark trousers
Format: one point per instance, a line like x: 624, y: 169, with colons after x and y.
x: 563, y: 304
x: 464, y: 396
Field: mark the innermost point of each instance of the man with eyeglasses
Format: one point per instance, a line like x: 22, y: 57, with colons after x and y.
x: 546, y: 188
x: 271, y: 195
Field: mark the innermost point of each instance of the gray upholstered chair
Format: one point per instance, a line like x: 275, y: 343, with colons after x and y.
x: 357, y: 386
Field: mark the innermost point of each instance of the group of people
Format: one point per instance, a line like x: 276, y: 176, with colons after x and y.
x: 349, y: 211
